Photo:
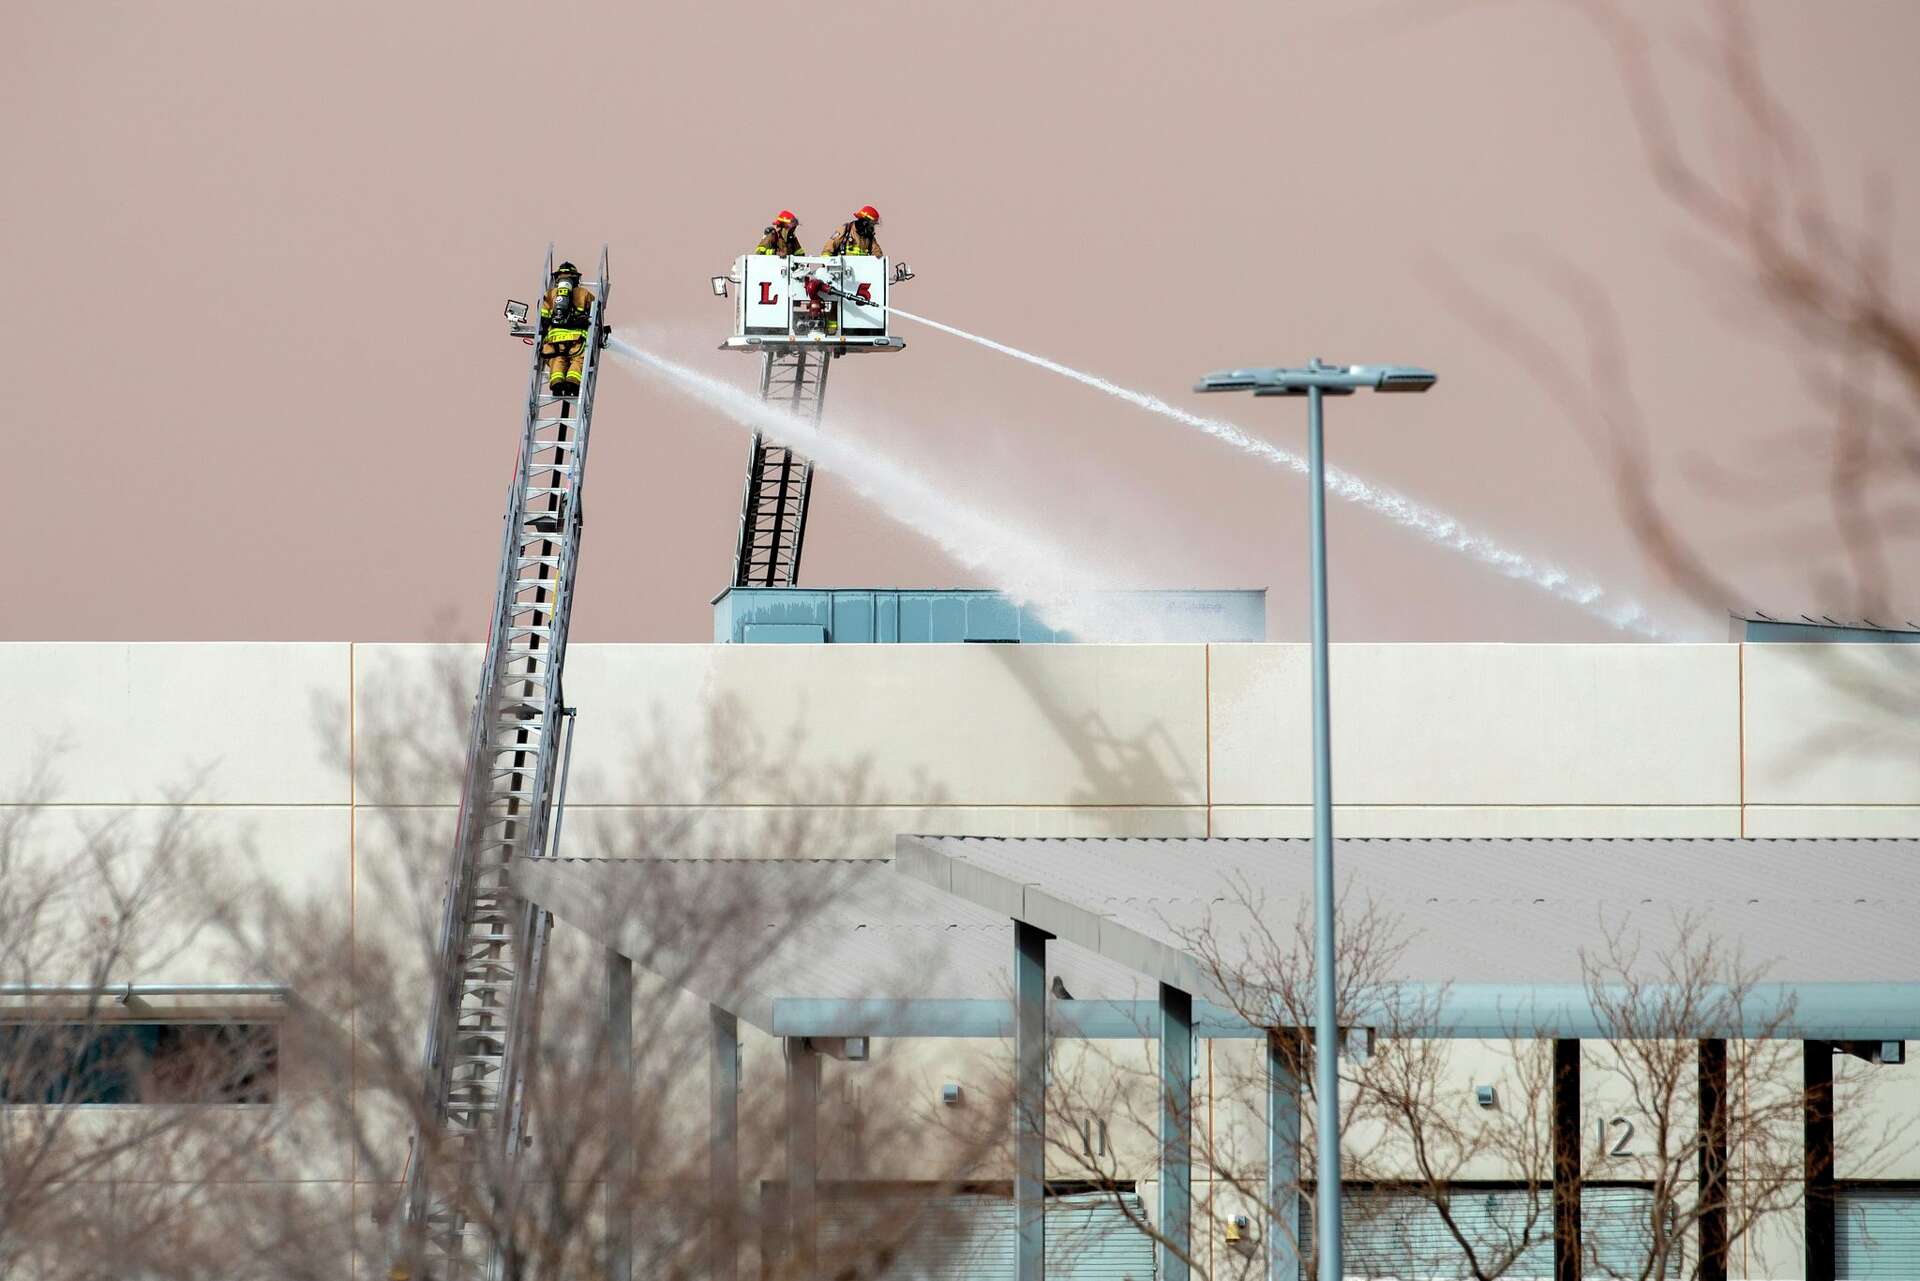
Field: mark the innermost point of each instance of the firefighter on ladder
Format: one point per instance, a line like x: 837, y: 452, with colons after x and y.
x: 566, y: 317
x: 781, y: 240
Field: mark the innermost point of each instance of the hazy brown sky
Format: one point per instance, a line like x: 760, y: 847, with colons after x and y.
x: 255, y: 255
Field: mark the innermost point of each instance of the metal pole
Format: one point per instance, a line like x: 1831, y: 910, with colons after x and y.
x: 1326, y: 1032
x: 1030, y: 1100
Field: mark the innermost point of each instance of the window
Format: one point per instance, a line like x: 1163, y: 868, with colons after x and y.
x: 120, y: 1063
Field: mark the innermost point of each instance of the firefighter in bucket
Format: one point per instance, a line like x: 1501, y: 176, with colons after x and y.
x: 566, y: 319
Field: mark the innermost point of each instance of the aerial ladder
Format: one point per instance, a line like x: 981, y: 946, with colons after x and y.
x: 799, y: 314
x: 483, y: 1018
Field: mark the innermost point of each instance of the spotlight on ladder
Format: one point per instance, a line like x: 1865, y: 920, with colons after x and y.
x: 518, y: 322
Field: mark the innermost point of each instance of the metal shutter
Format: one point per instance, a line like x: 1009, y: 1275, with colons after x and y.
x: 1089, y: 1238
x: 1877, y: 1236
x: 964, y: 1238
x: 1389, y: 1234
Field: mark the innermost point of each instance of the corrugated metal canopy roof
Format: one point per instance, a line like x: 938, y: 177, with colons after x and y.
x: 1480, y: 916
x: 1496, y: 928
x: 847, y: 939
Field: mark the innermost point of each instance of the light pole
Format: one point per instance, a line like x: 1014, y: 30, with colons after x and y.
x: 1314, y: 382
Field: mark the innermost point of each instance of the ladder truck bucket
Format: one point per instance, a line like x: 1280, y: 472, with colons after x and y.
x: 836, y: 304
x: 798, y: 314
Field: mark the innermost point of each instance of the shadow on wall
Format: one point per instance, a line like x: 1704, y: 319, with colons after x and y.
x: 1147, y: 764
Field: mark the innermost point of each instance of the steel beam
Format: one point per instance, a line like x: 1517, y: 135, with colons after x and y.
x: 622, y: 1170
x: 723, y: 1145
x: 1030, y: 1099
x: 1817, y: 1080
x: 1566, y: 1160
x: 1283, y: 1160
x: 1176, y: 1133
x: 803, y: 1157
x: 1460, y: 1011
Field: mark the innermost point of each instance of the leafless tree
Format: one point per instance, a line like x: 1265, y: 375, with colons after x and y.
x: 312, y: 1184
x: 1765, y: 226
x: 1415, y: 1135
x: 103, y: 1090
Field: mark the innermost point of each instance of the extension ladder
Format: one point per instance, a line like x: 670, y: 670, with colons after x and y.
x: 773, y: 510
x: 483, y: 1019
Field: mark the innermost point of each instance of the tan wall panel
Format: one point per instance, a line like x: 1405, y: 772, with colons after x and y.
x: 1834, y: 820
x: 229, y: 723
x: 1877, y: 1125
x: 871, y: 725
x: 174, y: 868
x: 1482, y: 724
x: 1832, y: 724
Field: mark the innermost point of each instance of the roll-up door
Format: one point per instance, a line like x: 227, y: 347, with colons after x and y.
x: 964, y: 1238
x: 1877, y: 1234
x: 1402, y: 1235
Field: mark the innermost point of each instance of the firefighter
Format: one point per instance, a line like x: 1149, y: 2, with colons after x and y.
x: 782, y: 239
x: 857, y: 236
x: 566, y: 315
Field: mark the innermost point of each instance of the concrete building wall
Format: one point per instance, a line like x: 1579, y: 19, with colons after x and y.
x: 317, y: 765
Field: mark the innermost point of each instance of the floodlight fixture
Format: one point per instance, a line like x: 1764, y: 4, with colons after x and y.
x: 1329, y: 380
x: 719, y: 286
x: 1316, y: 382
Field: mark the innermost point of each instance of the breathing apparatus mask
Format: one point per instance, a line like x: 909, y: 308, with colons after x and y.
x: 864, y: 227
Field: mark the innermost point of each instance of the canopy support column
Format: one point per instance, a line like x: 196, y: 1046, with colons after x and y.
x: 803, y: 1155
x: 1713, y: 1160
x: 1817, y: 1078
x: 723, y: 1143
x: 623, y: 1169
x: 1566, y: 1160
x: 1030, y: 1098
x: 1176, y: 1132
x: 1283, y: 1159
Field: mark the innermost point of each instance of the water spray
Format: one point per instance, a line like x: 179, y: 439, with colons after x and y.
x: 1434, y: 526
x: 1026, y: 564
